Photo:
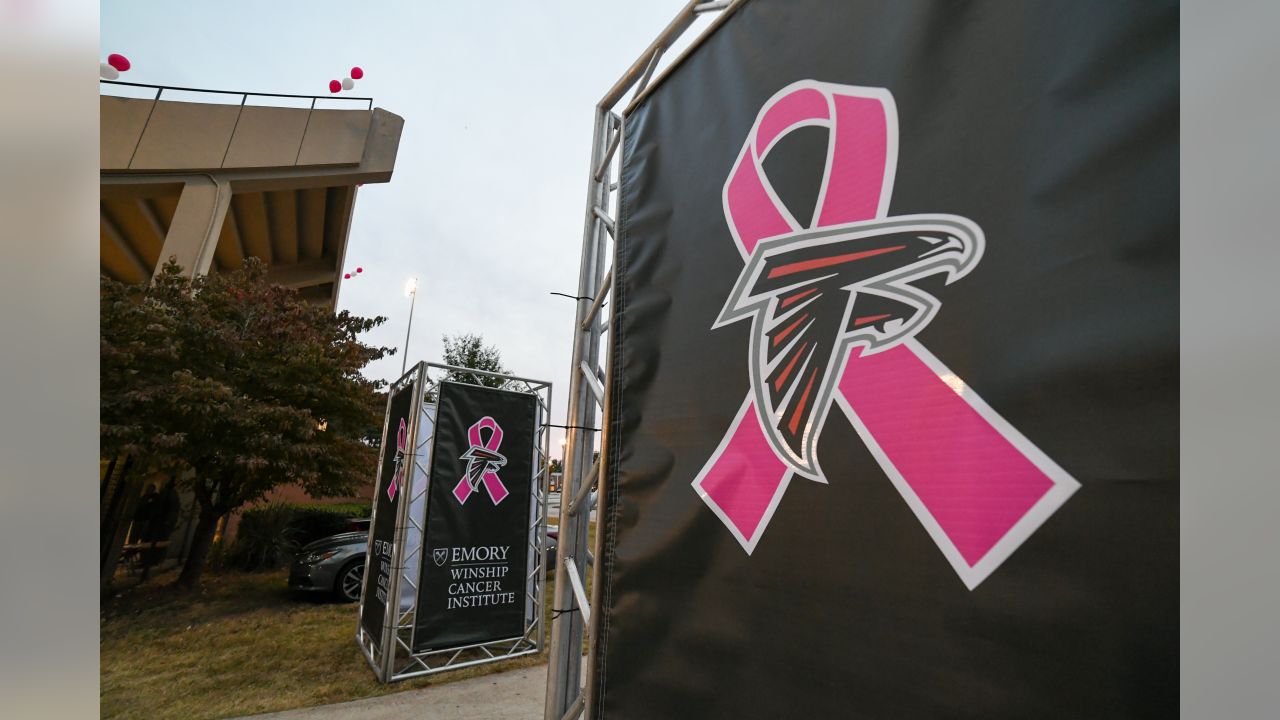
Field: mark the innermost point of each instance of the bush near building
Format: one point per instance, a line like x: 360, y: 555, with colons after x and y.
x: 269, y: 535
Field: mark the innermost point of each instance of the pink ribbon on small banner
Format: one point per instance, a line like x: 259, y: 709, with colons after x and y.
x: 978, y: 486
x: 402, y: 440
x: 483, y: 463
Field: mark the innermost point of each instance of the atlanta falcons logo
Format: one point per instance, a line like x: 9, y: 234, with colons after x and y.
x: 481, y: 460
x: 812, y: 295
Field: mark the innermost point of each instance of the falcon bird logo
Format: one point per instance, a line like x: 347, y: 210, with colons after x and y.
x: 812, y: 295
x: 480, y: 460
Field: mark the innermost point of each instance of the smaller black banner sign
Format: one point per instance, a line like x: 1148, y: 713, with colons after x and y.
x: 392, y: 490
x: 475, y: 555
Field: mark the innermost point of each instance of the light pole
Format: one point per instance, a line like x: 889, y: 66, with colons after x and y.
x: 411, y: 290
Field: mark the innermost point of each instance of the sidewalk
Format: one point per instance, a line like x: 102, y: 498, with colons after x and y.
x: 511, y: 695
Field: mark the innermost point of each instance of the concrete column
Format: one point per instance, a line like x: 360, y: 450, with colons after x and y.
x: 193, y: 234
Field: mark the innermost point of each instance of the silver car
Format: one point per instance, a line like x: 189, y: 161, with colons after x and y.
x: 333, y: 565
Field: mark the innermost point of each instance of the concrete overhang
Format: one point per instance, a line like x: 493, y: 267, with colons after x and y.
x: 212, y: 184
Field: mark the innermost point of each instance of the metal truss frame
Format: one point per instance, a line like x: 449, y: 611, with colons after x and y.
x: 568, y: 686
x: 373, y: 648
x: 393, y: 658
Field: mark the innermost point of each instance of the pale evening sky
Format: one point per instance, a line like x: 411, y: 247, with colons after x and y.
x: 485, y: 205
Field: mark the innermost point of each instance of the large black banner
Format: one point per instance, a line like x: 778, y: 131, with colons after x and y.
x: 392, y: 490
x: 476, y: 550
x: 893, y: 427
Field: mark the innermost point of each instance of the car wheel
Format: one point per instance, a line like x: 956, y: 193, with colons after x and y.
x: 350, y: 581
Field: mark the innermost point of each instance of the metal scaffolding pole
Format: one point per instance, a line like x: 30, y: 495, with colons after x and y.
x: 568, y: 687
x: 567, y: 627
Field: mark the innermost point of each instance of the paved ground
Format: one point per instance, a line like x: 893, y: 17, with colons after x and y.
x: 511, y: 695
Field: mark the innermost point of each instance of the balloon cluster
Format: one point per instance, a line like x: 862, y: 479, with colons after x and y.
x: 346, y: 83
x: 348, y: 276
x: 115, y: 64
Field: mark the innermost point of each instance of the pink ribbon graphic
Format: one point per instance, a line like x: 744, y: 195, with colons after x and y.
x: 402, y: 439
x: 978, y: 486
x: 483, y: 463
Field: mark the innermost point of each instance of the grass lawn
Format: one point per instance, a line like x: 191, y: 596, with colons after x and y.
x: 241, y: 645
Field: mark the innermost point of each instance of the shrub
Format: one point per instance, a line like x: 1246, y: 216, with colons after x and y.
x: 266, y: 538
x: 313, y: 523
x: 350, y: 510
x: 218, y: 560
x: 269, y: 535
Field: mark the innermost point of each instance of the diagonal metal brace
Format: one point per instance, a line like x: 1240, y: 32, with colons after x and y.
x: 579, y: 594
x: 593, y: 382
x: 608, y: 155
x: 583, y: 492
x: 576, y: 708
x: 604, y: 218
x: 595, y: 306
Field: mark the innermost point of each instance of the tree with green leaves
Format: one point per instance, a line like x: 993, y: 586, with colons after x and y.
x: 237, y: 386
x: 469, y: 351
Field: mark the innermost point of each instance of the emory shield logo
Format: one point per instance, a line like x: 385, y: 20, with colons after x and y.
x: 440, y: 555
x: 834, y: 310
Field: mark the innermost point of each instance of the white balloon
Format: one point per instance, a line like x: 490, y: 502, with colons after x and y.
x: 348, y: 83
x: 106, y: 72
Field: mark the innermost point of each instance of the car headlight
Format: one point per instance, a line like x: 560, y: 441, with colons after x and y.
x: 315, y: 557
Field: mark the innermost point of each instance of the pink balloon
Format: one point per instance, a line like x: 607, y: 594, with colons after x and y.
x: 359, y: 270
x: 335, y: 86
x: 346, y: 276
x: 118, y: 61
x: 356, y: 73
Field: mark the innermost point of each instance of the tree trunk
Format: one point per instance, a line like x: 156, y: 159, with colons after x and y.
x: 201, y: 541
x: 115, y: 523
